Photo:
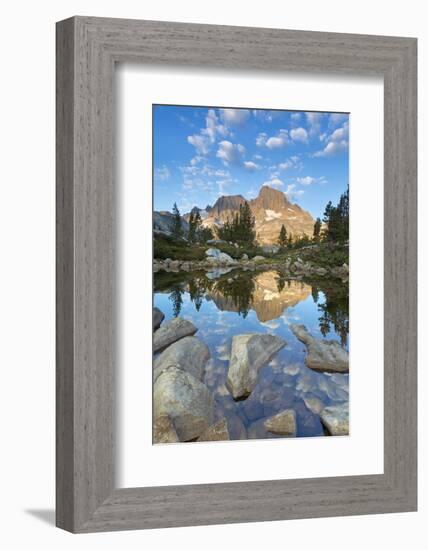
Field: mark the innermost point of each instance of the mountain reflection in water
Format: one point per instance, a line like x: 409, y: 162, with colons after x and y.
x: 225, y: 303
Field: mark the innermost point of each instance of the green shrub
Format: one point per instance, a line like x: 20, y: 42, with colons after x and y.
x: 167, y: 247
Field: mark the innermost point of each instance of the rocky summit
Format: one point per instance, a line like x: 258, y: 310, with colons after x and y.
x: 271, y: 209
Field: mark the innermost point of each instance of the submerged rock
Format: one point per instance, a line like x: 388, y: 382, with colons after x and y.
x: 313, y: 404
x: 158, y: 317
x: 283, y: 423
x: 188, y: 354
x: 217, y: 432
x: 336, y: 419
x: 322, y: 355
x: 171, y: 331
x: 250, y: 352
x: 164, y: 431
x: 186, y: 400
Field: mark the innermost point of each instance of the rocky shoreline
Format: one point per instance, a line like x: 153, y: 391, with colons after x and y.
x: 184, y: 408
x: 219, y: 260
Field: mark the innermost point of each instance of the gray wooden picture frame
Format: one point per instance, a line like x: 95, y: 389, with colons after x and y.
x: 87, y: 50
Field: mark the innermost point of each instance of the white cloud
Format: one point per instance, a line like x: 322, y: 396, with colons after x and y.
x: 338, y: 141
x: 314, y: 123
x: 200, y: 143
x: 273, y: 142
x: 234, y: 117
x: 202, y: 177
x: 279, y: 141
x: 292, y: 162
x: 265, y: 116
x: 261, y: 139
x: 162, y: 173
x: 195, y: 160
x: 296, y: 116
x: 274, y: 182
x: 309, y: 180
x: 299, y: 134
x: 337, y: 118
x: 207, y: 136
x: 251, y: 166
x: 257, y: 157
x: 230, y: 153
x: 292, y: 192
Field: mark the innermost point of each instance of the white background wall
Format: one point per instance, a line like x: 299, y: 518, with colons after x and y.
x: 27, y: 271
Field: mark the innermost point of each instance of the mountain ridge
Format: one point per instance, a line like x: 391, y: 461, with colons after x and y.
x: 271, y: 209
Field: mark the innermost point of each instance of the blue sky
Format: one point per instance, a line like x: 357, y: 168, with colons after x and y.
x: 201, y: 153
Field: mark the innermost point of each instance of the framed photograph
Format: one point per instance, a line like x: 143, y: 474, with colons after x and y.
x: 236, y: 274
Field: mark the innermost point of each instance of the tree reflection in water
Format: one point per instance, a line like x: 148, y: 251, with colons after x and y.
x: 241, y: 291
x: 335, y: 308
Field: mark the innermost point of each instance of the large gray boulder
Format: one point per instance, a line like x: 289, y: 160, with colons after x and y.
x: 171, y: 331
x: 283, y: 423
x: 186, y: 401
x: 158, y: 317
x: 322, y: 355
x: 188, y: 354
x: 250, y: 352
x: 216, y: 256
x: 336, y: 419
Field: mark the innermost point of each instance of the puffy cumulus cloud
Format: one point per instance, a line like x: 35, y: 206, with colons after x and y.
x: 313, y: 121
x: 207, y: 136
x: 230, y: 153
x: 336, y: 142
x: 213, y: 126
x: 200, y: 143
x: 276, y: 142
x: 234, y: 117
x: 251, y: 166
x: 274, y: 182
x: 299, y: 134
x: 296, y: 116
x: 281, y: 139
x: 162, y: 173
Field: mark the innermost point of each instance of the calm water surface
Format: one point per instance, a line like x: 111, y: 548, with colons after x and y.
x: 223, y: 304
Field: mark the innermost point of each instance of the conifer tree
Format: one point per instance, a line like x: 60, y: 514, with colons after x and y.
x: 317, y: 229
x: 282, y: 239
x: 177, y: 227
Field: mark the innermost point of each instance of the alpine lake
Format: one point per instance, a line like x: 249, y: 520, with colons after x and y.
x: 226, y: 302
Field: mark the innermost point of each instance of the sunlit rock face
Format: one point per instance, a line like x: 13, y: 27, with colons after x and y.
x: 269, y: 299
x: 271, y: 209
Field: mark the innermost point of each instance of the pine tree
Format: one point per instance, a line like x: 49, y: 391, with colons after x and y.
x: 336, y: 219
x: 317, y: 229
x: 197, y: 222
x: 177, y: 228
x: 192, y: 228
x: 282, y: 239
